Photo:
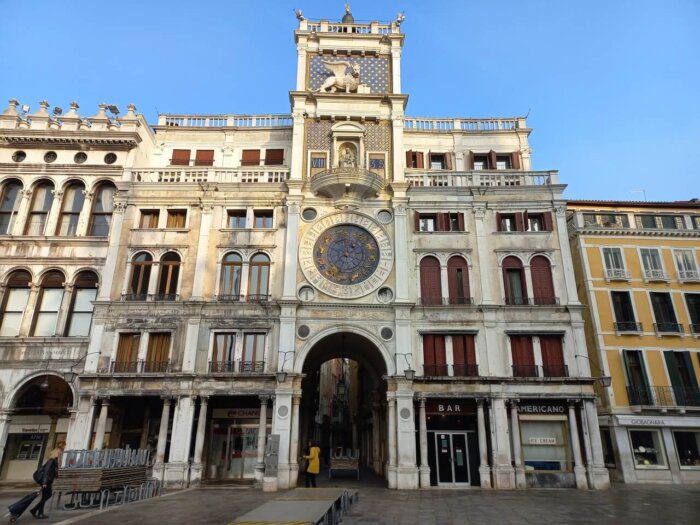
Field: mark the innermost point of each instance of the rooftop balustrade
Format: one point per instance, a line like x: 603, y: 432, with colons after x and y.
x: 246, y: 174
x: 225, y: 121
x: 491, y: 178
x: 473, y: 125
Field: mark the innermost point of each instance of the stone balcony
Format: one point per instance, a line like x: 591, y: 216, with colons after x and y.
x: 346, y: 182
x: 186, y: 175
x: 489, y: 178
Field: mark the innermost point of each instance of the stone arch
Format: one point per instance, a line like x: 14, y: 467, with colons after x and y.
x: 10, y: 400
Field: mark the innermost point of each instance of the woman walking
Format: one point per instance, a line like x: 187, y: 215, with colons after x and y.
x: 314, y: 466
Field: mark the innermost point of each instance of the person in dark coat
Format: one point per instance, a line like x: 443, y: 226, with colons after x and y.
x: 49, y: 472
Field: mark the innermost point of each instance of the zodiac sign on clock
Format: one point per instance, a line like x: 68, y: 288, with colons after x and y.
x: 346, y: 254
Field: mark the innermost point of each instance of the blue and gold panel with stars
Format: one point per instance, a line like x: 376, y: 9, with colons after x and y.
x: 374, y: 71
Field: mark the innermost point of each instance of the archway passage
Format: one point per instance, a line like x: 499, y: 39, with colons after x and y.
x: 38, y: 421
x: 343, y: 408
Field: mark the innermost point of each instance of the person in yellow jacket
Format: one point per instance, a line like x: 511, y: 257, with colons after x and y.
x: 314, y: 465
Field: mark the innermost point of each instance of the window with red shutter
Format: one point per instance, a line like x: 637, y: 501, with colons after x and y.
x: 430, y: 288
x: 250, y: 157
x: 515, y: 160
x: 553, y: 356
x: 434, y: 358
x: 448, y: 161
x: 514, y: 281
x: 464, y: 355
x: 181, y: 157
x: 492, y: 162
x: 519, y: 223
x: 274, y: 157
x: 419, y: 160
x: 204, y: 157
x: 470, y: 161
x: 542, y: 285
x: 409, y: 159
x: 458, y: 280
x: 547, y: 216
x: 523, y: 356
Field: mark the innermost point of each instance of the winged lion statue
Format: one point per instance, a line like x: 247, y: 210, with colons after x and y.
x: 341, y: 78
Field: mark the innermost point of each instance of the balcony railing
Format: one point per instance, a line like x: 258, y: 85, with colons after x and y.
x: 628, y: 326
x: 446, y: 301
x: 134, y: 296
x: 164, y: 297
x: 228, y: 297
x: 516, y: 301
x: 458, y: 370
x: 545, y: 301
x: 481, y: 178
x: 240, y: 367
x: 617, y: 274
x: 689, y: 275
x: 226, y: 121
x: 664, y: 396
x: 139, y: 367
x: 555, y: 370
x: 463, y: 124
x: 257, y: 298
x: 655, y: 275
x: 525, y: 371
x: 668, y: 328
x: 465, y: 370
x: 435, y: 370
x: 245, y: 175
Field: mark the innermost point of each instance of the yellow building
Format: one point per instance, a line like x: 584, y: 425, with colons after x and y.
x: 637, y: 271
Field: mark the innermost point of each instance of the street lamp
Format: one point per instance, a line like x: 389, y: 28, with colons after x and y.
x: 605, y: 381
x: 281, y: 376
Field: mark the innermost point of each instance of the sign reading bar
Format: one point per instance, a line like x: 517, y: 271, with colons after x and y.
x: 447, y: 407
x: 543, y: 441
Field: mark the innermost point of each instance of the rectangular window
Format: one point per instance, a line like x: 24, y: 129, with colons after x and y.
x: 692, y: 301
x: 668, y: 222
x: 262, y: 219
x: 81, y: 312
x: 204, y: 157
x: 651, y: 260
x: 434, y: 356
x: 158, y: 354
x: 608, y: 451
x: 428, y: 222
x: 47, y: 316
x: 181, y: 157
x: 688, y: 448
x: 647, y: 448
x: 613, y: 259
x: 535, y: 222
x: 481, y: 162
x: 176, y: 218
x: 149, y: 219
x: 223, y: 353
x: 15, y: 303
x: 545, y: 445
x: 127, y: 353
x: 236, y: 219
x: 638, y: 391
x: 685, y: 261
x: 253, y: 353
x: 664, y: 313
x: 414, y: 159
x: 553, y: 356
x: 274, y: 157
x: 696, y: 222
x: 523, y: 356
x: 508, y: 223
x: 464, y: 355
x: 503, y: 162
x: 440, y: 222
x: 605, y: 220
x: 647, y: 221
x: 250, y: 157
x: 437, y: 161
x: 624, y: 312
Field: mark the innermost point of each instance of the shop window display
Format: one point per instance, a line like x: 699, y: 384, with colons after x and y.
x: 545, y: 445
x: 647, y: 448
x: 687, y: 448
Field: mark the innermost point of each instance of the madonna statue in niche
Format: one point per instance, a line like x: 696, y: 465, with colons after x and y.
x: 347, y: 158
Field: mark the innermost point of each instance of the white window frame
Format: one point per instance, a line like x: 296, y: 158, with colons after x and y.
x: 675, y: 446
x: 662, y: 452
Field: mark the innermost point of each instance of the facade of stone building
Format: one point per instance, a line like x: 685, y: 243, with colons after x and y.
x: 244, y: 252
x: 637, y: 268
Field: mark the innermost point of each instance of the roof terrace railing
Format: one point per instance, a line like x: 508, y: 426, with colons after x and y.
x: 491, y: 178
x: 225, y: 121
x: 463, y: 124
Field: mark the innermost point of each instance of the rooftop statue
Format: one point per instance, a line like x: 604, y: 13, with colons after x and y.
x: 341, y: 79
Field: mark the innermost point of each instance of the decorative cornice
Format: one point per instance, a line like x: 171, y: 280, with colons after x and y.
x: 68, y: 140
x: 633, y: 232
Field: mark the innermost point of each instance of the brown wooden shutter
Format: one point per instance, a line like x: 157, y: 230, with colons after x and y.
x: 453, y: 265
x: 409, y: 159
x: 526, y: 221
x: 458, y: 351
x: 552, y: 351
x: 470, y: 161
x: 204, y: 157
x: 448, y: 161
x: 515, y: 160
x: 416, y: 221
x: 440, y: 354
x: 429, y: 349
x: 429, y: 161
x: 519, y: 222
x: 127, y: 351
x: 181, y: 157
x: 419, y: 160
x: 547, y: 221
x: 250, y: 157
x: 492, y: 160
x: 274, y: 157
x: 499, y: 222
x: 431, y: 292
x: 443, y: 222
x: 158, y: 347
x: 460, y: 221
x: 542, y: 285
x: 521, y: 348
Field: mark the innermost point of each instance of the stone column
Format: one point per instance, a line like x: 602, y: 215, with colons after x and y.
x: 579, y: 469
x: 110, y: 267
x: 281, y: 426
x: 484, y: 470
x: 262, y: 431
x: 177, y: 467
x: 5, y: 417
x: 80, y: 429
x: 159, y: 464
x: 391, y: 440
x: 376, y: 439
x: 597, y: 473
x: 197, y: 464
x: 503, y: 473
x: 289, y: 292
x: 423, y: 439
x: 294, y: 442
x: 22, y: 212
x: 84, y: 217
x: 101, y: 425
x: 54, y: 212
x: 200, y: 266
x: 520, y: 482
x: 406, y: 468
x: 29, y: 310
x: 401, y: 245
x: 482, y: 248
x: 64, y: 309
x: 567, y: 260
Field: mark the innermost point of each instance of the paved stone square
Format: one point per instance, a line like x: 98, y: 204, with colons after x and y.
x: 621, y: 504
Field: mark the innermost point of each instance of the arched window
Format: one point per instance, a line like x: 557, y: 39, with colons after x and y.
x: 458, y: 280
x: 9, y: 203
x: 258, y: 281
x: 542, y: 285
x: 430, y: 287
x: 514, y: 281
x: 169, y: 274
x: 102, y: 208
x: 48, y: 304
x: 73, y: 199
x: 14, y: 302
x: 140, y: 277
x: 80, y: 316
x: 231, y: 269
x: 42, y: 199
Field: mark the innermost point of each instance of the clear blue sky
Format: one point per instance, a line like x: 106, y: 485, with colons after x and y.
x: 612, y: 87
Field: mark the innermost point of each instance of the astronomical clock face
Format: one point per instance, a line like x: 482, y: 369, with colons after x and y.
x: 346, y: 255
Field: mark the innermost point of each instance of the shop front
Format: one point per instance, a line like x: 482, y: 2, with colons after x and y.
x: 453, y: 448
x: 545, y: 443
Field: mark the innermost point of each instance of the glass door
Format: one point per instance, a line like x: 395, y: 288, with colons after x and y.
x: 452, y: 458
x: 444, y: 459
x: 460, y: 461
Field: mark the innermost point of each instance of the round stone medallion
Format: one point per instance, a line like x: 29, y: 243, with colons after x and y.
x: 405, y: 413
x: 283, y: 411
x: 346, y: 255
